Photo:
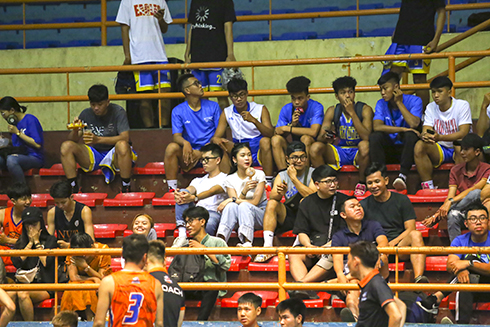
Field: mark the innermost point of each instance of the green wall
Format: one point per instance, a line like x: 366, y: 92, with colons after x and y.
x: 53, y: 116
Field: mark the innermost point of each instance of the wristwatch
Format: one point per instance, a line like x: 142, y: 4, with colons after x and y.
x: 471, y: 263
x: 233, y: 199
x: 196, y: 199
x: 18, y: 133
x: 451, y: 200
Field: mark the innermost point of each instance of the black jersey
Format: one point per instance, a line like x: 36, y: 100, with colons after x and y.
x: 173, y: 299
x: 64, y: 228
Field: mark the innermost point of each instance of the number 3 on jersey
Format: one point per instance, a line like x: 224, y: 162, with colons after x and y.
x: 135, y: 302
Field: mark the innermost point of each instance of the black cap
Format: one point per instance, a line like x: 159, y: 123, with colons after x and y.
x: 32, y: 215
x: 472, y: 141
x: 295, y: 146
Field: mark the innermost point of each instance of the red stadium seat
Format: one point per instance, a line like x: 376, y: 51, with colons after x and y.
x: 167, y: 200
x: 423, y: 229
x: 346, y: 192
x: 31, y: 172
x: 268, y: 299
x: 338, y: 303
x: 10, y: 269
x: 437, y: 263
x: 272, y: 265
x: 133, y: 199
x: 55, y: 170
x: 168, y: 261
x: 401, y: 266
x: 116, y: 264
x: 41, y: 200
x: 423, y: 196
x: 49, y: 303
x: 288, y: 234
x: 90, y: 199
x: 4, y: 199
x: 151, y: 168
x: 239, y: 262
x: 109, y: 230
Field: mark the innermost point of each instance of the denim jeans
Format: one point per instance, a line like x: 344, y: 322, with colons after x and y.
x: 456, y: 215
x: 247, y: 216
x: 211, y: 225
x: 16, y: 164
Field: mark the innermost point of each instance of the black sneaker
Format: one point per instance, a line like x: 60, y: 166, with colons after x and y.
x: 347, y: 316
x: 429, y: 305
x: 126, y: 189
x: 421, y: 279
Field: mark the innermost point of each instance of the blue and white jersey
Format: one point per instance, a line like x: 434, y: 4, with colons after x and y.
x: 241, y: 130
x: 347, y: 132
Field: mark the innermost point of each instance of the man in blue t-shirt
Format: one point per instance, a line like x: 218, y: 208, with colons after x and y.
x: 302, y: 119
x: 396, y: 121
x: 194, y: 123
x: 466, y: 268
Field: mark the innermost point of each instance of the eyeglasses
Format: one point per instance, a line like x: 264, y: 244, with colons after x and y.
x: 238, y: 96
x: 196, y: 83
x: 296, y: 158
x: 474, y: 219
x: 189, y: 221
x: 329, y: 181
x: 205, y: 160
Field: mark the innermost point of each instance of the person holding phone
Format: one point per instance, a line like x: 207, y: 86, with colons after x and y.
x: 397, y: 117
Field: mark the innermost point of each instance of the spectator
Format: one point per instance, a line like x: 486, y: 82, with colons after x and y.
x: 11, y: 217
x: 249, y: 309
x: 173, y: 299
x: 292, y: 312
x: 68, y: 217
x: 293, y: 184
x: 396, y: 121
x: 247, y: 199
x: 197, y: 193
x: 27, y: 149
x: 466, y: 268
x: 142, y: 25
x: 358, y: 229
x: 352, y: 123
x: 34, y: 236
x: 106, y: 141
x: 120, y: 291
x: 469, y: 178
x: 483, y: 123
x: 395, y: 213
x: 7, y: 311
x: 193, y: 125
x: 65, y: 319
x: 414, y: 33
x: 85, y: 269
x: 249, y: 122
x: 302, y: 119
x: 216, y: 265
x: 377, y: 307
x: 446, y: 120
x: 316, y: 222
x: 143, y: 224
x: 210, y: 39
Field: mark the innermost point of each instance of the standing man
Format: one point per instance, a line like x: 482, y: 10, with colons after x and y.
x: 106, y: 141
x: 377, y: 307
x: 210, y: 39
x: 142, y: 24
x: 302, y: 119
x: 132, y: 295
x: 292, y: 312
x: 194, y: 123
x: 396, y: 121
x: 415, y: 33
x: 483, y: 124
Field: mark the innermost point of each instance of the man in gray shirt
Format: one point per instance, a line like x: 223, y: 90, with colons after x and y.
x: 104, y: 129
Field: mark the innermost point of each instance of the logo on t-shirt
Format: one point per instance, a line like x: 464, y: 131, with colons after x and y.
x: 202, y: 14
x: 135, y: 280
x: 445, y: 127
x: 145, y: 9
x: 208, y: 119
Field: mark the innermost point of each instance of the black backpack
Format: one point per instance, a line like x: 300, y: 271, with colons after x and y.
x: 187, y: 268
x: 338, y: 112
x: 415, y: 314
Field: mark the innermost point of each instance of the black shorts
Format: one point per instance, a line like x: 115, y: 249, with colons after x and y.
x: 288, y: 223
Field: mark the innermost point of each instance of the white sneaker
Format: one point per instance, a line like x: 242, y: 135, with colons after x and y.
x: 180, y: 242
x: 447, y: 321
x: 399, y: 184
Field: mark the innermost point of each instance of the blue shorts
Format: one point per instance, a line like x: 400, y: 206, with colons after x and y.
x: 148, y: 80
x: 344, y: 155
x: 420, y: 66
x: 97, y: 156
x: 445, y: 155
x: 211, y: 80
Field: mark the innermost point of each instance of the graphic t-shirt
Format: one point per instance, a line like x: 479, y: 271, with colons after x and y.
x: 205, y: 183
x: 173, y: 297
x: 347, y: 132
x: 292, y: 190
x: 146, y: 41
x: 466, y: 241
x: 448, y: 122
x: 30, y: 126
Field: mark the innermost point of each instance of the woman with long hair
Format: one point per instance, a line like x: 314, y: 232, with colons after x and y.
x: 27, y: 140
x: 143, y: 224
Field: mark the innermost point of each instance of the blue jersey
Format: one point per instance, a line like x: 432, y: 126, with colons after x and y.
x: 393, y: 117
x: 313, y: 115
x: 30, y: 126
x: 347, y: 132
x: 196, y: 127
x: 465, y: 241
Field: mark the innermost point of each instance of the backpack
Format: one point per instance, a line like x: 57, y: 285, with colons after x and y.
x: 415, y: 314
x: 338, y: 112
x: 187, y: 268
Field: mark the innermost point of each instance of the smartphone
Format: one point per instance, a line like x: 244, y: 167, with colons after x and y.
x: 431, y: 131
x: 331, y: 134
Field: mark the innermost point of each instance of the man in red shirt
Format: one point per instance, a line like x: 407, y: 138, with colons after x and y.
x: 468, y: 178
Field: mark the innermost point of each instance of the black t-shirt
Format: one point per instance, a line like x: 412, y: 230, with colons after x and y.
x: 391, y: 214
x: 208, y: 18
x: 173, y: 298
x: 113, y: 123
x: 416, y: 21
x: 64, y: 228
x: 375, y: 294
x: 313, y: 218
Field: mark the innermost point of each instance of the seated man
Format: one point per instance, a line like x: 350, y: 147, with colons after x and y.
x: 302, y: 118
x: 316, y: 222
x: 249, y: 309
x: 194, y: 123
x: 395, y: 213
x: 196, y: 194
x: 249, y: 122
x: 396, y: 119
x: 293, y: 184
x: 358, y: 229
x: 68, y: 217
x: 352, y: 123
x: 466, y: 268
x: 104, y: 129
x: 483, y: 123
x: 291, y: 312
x: 446, y: 120
x: 469, y: 178
x: 216, y: 264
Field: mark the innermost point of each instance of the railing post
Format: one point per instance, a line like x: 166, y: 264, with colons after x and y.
x: 103, y: 20
x: 253, y: 81
x: 270, y: 21
x: 281, y: 278
x: 452, y: 73
x: 68, y: 93
x: 24, y: 22
x: 56, y: 282
x: 185, y: 26
x: 357, y: 20
x: 159, y: 101
x: 396, y: 267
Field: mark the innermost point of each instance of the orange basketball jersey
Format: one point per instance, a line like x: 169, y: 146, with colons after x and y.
x: 133, y: 302
x: 10, y: 229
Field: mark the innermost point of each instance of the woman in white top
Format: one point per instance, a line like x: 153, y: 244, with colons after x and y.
x: 247, y: 200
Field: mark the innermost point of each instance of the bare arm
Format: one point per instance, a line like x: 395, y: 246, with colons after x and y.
x: 327, y: 125
x: 411, y: 120
x: 265, y: 127
x: 125, y: 41
x: 8, y: 311
x: 159, y: 296
x: 379, y: 126
x: 477, y: 186
x: 365, y: 127
x: 259, y: 190
x: 303, y: 189
x: 463, y: 131
x: 29, y: 140
x: 181, y: 318
x: 409, y: 227
x: 304, y: 239
x: 394, y: 314
x: 229, y: 41
x: 180, y: 140
x: 187, y: 55
x: 441, y: 20
x: 50, y: 218
x: 87, y: 221
x: 483, y: 121
x: 217, y: 189
x: 106, y: 289
x: 112, y: 140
